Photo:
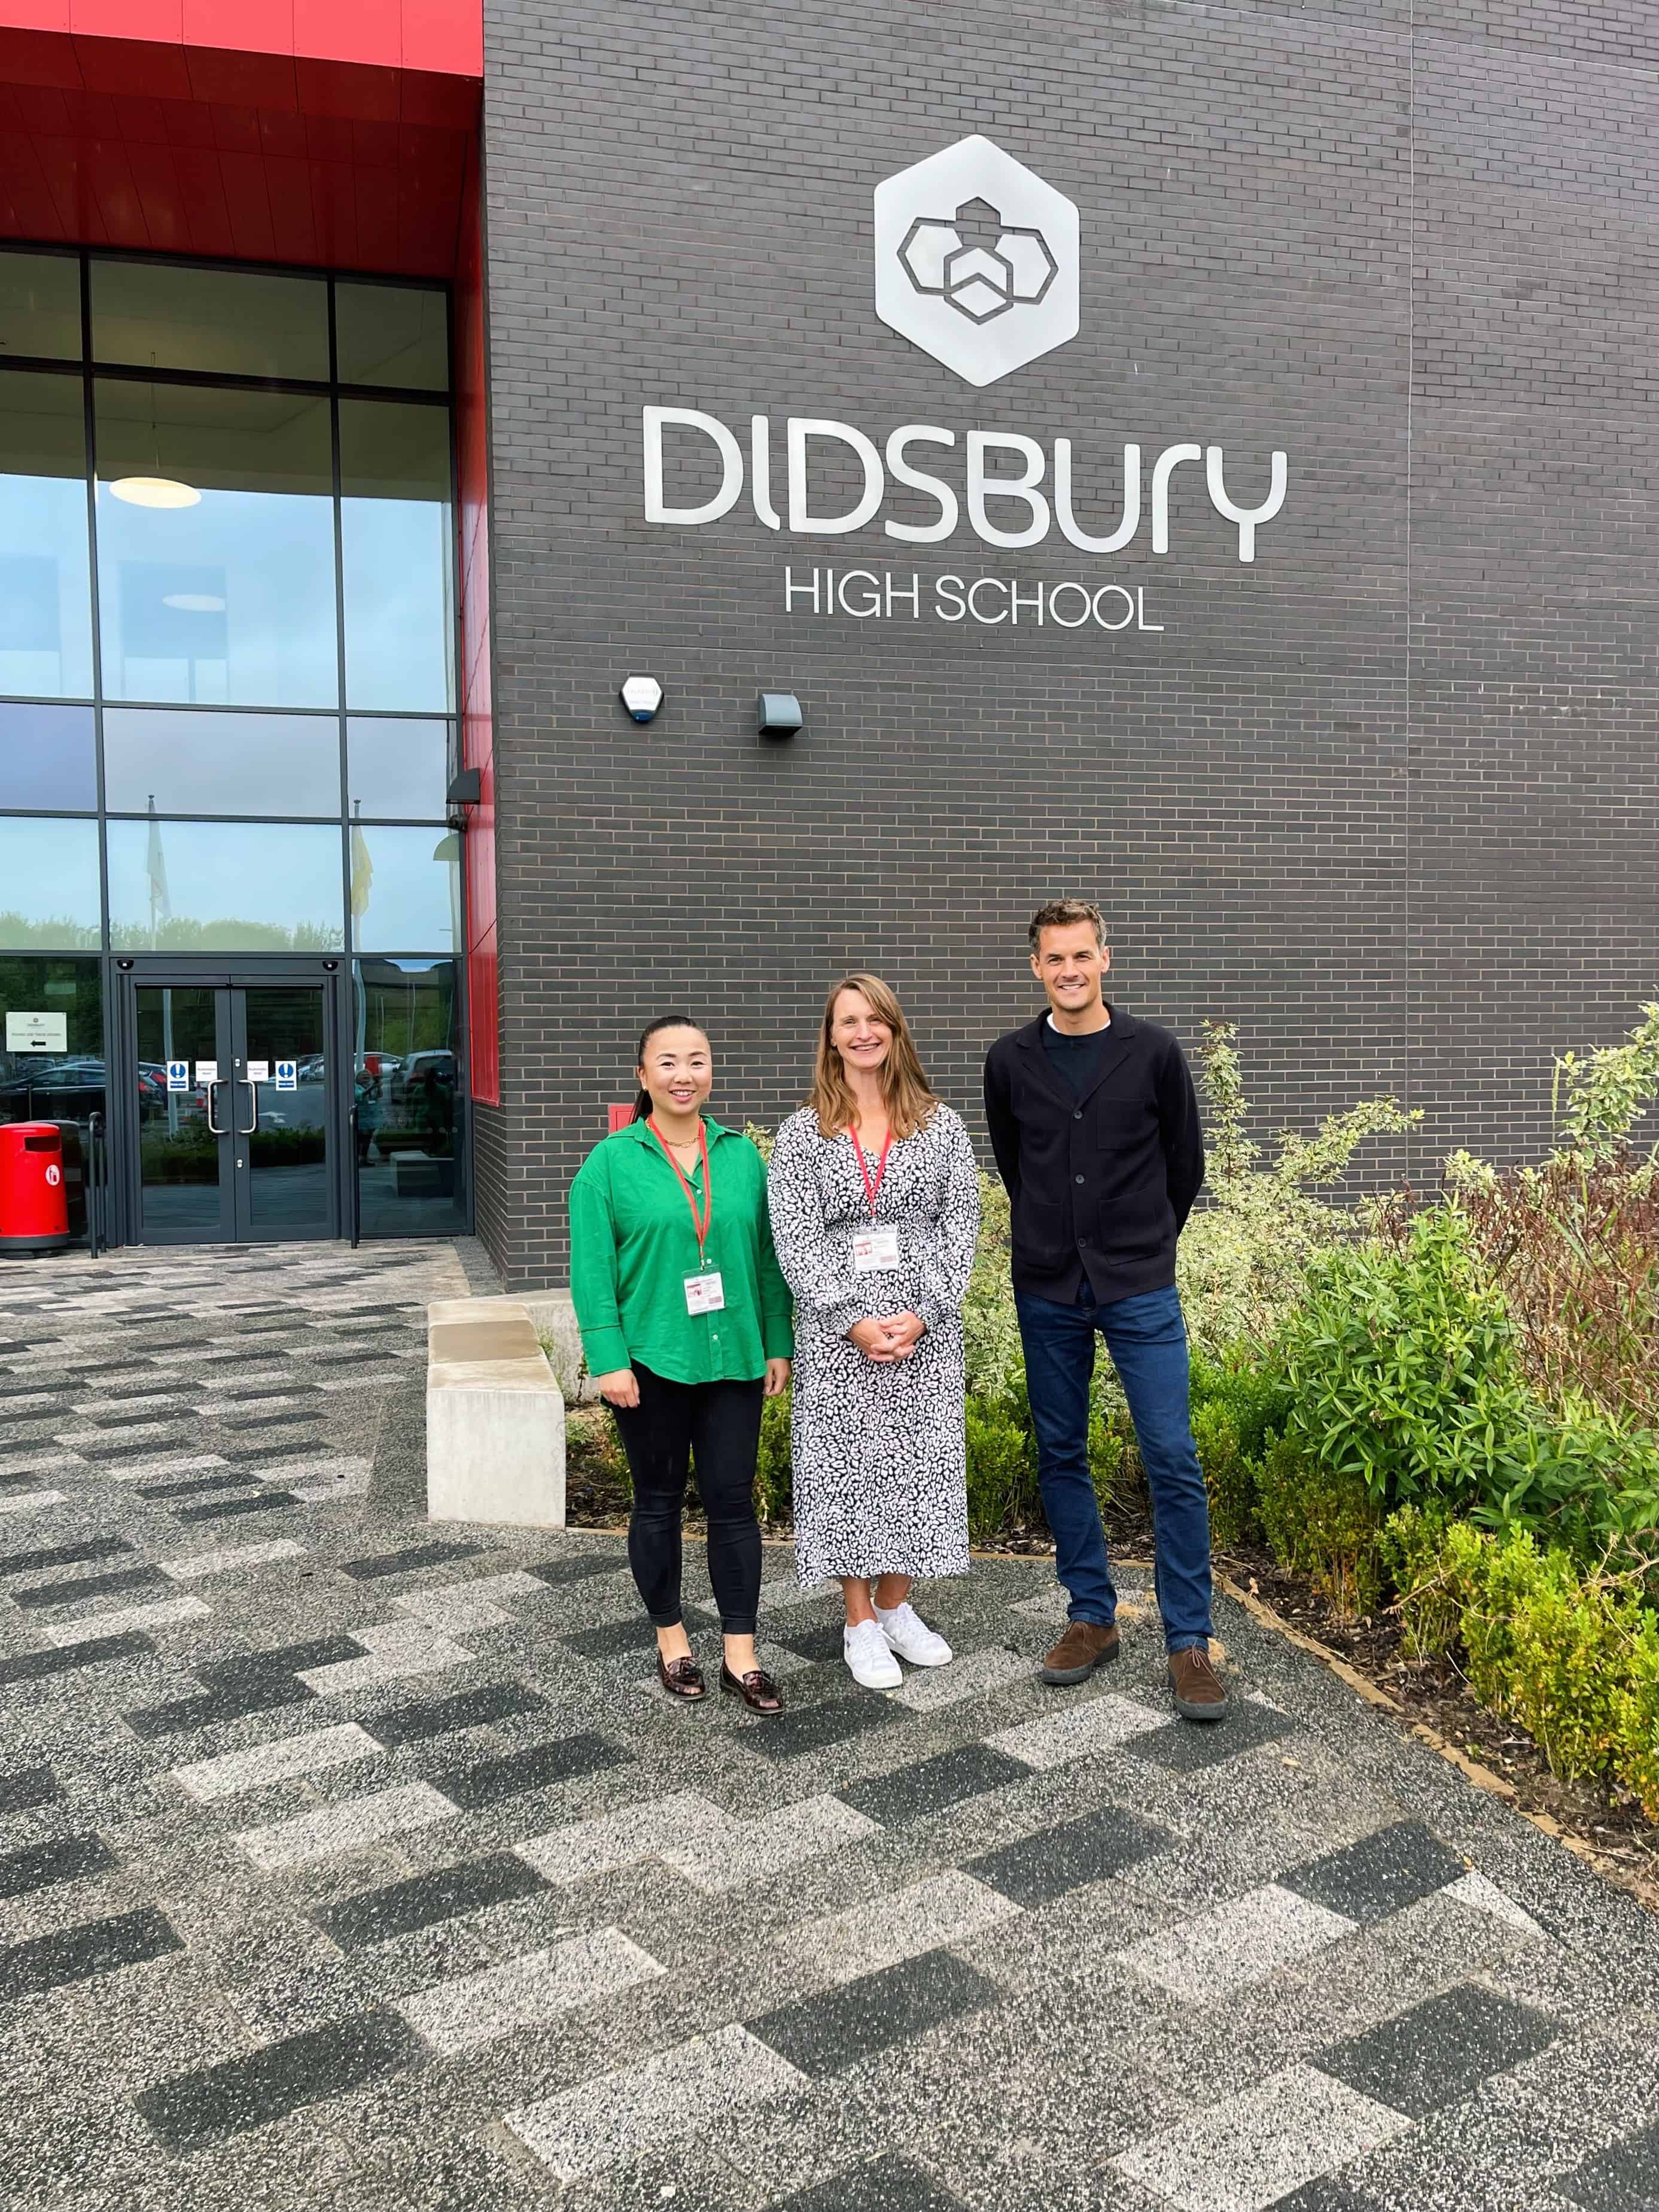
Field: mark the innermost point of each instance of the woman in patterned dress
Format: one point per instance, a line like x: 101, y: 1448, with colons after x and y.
x: 874, y: 1197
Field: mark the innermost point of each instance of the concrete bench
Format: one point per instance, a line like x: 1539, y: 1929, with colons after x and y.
x: 495, y: 1418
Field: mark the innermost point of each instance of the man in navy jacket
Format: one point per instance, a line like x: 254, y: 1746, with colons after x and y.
x: 1094, y: 1122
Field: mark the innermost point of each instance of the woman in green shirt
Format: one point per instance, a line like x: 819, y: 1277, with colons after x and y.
x: 685, y: 1318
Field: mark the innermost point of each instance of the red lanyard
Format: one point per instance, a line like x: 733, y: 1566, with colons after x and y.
x: 699, y: 1221
x: 872, y: 1190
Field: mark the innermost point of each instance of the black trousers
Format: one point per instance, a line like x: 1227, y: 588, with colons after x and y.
x: 718, y: 1425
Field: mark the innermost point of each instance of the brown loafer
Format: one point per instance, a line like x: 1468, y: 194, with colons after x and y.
x: 1199, y: 1694
x: 1085, y: 1645
x: 682, y: 1678
x: 757, y: 1689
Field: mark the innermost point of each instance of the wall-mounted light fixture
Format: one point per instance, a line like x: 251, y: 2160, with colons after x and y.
x: 642, y: 695
x: 780, y: 713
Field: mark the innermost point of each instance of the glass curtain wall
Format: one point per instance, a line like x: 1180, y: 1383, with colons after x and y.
x: 227, y: 663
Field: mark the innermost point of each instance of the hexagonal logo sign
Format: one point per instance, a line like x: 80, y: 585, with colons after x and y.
x: 977, y: 260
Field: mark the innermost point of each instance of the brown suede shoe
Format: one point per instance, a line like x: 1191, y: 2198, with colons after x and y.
x: 1085, y: 1646
x: 1199, y: 1695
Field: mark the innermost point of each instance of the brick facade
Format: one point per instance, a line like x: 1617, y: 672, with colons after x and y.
x: 1387, y: 796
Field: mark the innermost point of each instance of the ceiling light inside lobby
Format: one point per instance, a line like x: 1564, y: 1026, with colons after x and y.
x: 155, y: 491
x: 193, y: 602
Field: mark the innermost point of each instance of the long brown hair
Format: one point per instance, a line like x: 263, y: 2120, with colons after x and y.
x: 904, y: 1089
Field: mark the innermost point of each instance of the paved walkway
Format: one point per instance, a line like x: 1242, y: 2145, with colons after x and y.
x: 350, y: 1863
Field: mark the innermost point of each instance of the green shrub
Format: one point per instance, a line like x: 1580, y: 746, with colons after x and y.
x: 1320, y: 1521
x: 1583, y: 1478
x: 1002, y: 1490
x: 1229, y: 1477
x: 1243, y: 1257
x: 1573, y: 1659
x: 1402, y: 1364
x: 774, y: 1466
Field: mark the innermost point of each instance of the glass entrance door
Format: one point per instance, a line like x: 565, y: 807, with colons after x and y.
x: 235, y: 1113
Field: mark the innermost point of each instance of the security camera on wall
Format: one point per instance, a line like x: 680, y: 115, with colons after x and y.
x: 642, y: 695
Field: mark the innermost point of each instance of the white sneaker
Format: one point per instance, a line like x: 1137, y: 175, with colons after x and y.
x: 864, y: 1647
x: 908, y: 1634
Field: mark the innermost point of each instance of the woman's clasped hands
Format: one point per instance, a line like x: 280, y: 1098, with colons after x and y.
x: 888, y: 1338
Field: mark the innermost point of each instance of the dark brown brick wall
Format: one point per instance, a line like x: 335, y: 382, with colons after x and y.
x: 1388, y: 798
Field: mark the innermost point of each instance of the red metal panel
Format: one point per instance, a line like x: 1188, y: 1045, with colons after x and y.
x: 136, y: 66
x: 167, y: 227
x: 254, y: 80
x: 247, y: 184
x: 38, y: 57
x: 264, y: 26
x: 35, y: 14
x: 155, y: 19
x: 443, y: 35
x: 484, y: 1022
x: 361, y: 30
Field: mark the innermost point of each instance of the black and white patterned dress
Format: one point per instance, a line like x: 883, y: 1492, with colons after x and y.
x: 880, y: 1460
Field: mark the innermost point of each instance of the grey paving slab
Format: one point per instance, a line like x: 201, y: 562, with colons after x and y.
x: 827, y: 2033
x: 375, y: 1916
x: 28, y: 1787
x: 39, y: 1866
x: 1624, y: 2178
x: 488, y: 1781
x: 62, y: 1555
x: 801, y: 1729
x: 95, y: 1651
x: 1389, y: 1869
x: 196, y: 2109
x: 424, y: 1718
x: 1093, y: 1848
x: 1432, y: 2055
x: 1187, y: 1748
x: 911, y: 1792
x: 83, y: 1588
x: 888, y: 2183
x: 78, y: 1954
x: 406, y: 1562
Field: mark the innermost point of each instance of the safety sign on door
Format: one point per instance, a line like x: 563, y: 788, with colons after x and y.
x: 258, y: 1071
x: 286, y: 1079
x: 178, y: 1075
x: 207, y: 1071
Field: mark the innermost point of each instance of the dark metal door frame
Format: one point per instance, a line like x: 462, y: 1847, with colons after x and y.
x: 230, y: 981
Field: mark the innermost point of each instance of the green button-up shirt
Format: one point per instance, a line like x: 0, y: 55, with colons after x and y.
x: 632, y: 1246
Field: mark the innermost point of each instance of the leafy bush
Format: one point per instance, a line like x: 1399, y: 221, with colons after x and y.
x: 990, y: 1326
x: 1583, y: 1478
x: 1243, y: 1257
x: 1002, y: 1488
x: 774, y: 1466
x: 1230, y: 1478
x: 1321, y: 1521
x: 1573, y: 1658
x: 1573, y: 1249
x: 1402, y: 1367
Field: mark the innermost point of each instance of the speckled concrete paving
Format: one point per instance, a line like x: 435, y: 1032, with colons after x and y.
x: 349, y: 1863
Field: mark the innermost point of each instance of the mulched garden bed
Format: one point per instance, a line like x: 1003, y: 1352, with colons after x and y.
x: 1430, y: 1692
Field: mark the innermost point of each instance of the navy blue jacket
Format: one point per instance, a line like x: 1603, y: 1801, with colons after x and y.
x: 1101, y: 1186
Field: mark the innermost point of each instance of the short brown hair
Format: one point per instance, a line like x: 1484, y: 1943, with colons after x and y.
x: 1065, y: 913
x: 905, y: 1091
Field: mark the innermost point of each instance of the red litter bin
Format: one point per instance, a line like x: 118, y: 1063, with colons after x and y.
x: 33, y: 1194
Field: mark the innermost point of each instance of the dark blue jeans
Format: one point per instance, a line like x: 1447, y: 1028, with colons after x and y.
x: 1147, y: 1339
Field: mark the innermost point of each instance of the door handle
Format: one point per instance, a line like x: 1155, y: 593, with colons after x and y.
x: 213, y: 1126
x: 254, y: 1102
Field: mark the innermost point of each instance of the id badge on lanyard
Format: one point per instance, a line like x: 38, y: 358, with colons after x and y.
x: 705, y: 1292
x: 876, y: 1248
